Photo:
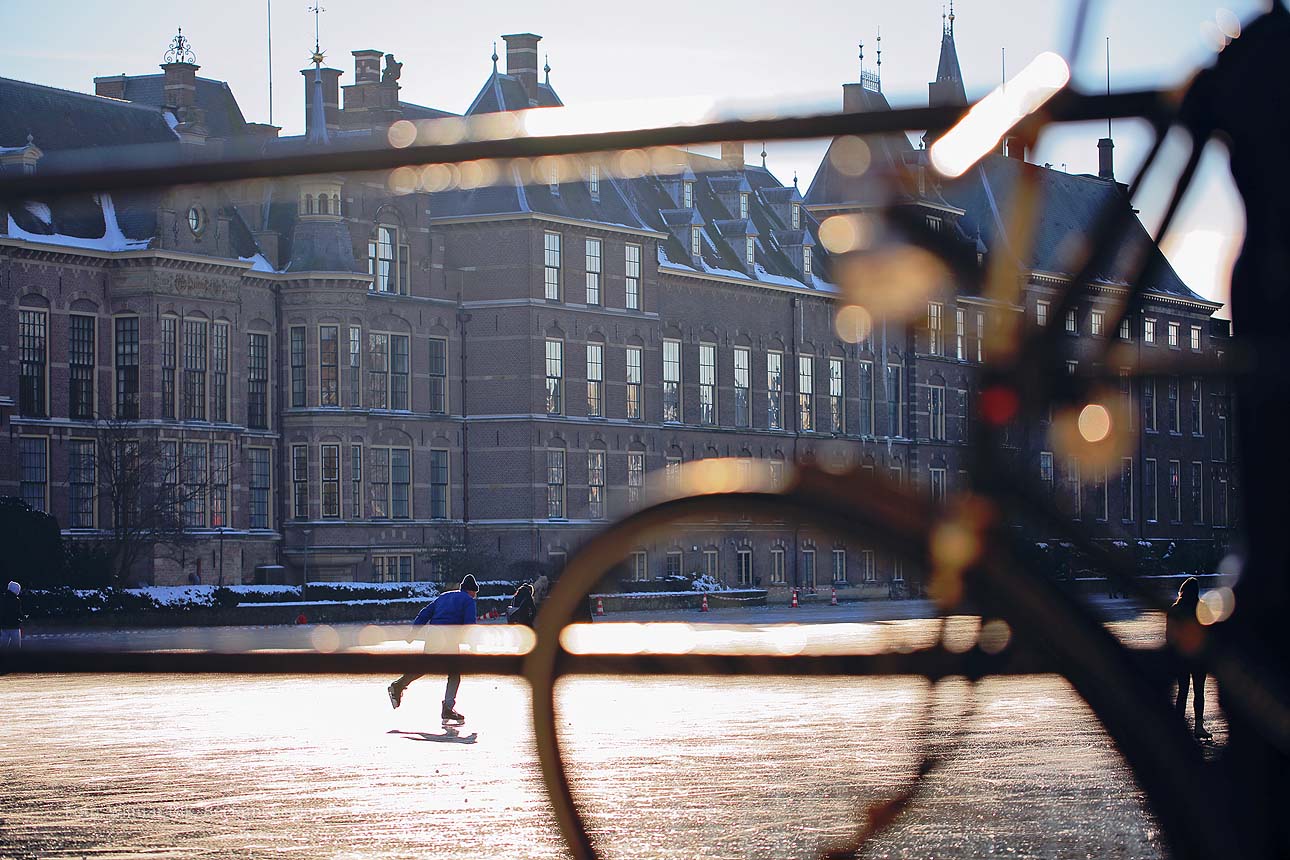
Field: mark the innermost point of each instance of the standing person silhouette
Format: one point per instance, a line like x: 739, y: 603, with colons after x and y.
x: 451, y: 607
x: 1181, y: 615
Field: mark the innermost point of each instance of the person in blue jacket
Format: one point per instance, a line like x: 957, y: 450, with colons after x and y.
x: 451, y: 607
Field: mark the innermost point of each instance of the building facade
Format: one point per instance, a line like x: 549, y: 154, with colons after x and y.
x: 346, y: 379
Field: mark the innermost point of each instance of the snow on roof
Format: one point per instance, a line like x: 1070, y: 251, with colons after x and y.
x: 111, y: 240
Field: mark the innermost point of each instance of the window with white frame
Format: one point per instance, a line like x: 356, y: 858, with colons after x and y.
x: 696, y: 242
x: 1095, y: 323
x: 593, y: 181
x: 750, y: 249
x: 81, y: 356
x: 1149, y: 331
x: 596, y: 485
x: 554, y: 377
x: 1171, y: 334
x: 195, y: 484
x: 895, y: 400
x: 438, y: 484
x: 806, y: 260
x: 1126, y: 329
x: 1196, y: 413
x: 555, y: 483
x: 390, y: 482
x: 1046, y: 469
x: 80, y: 483
x: 687, y: 195
x: 1149, y: 490
x: 837, y: 400
x: 839, y: 565
x: 707, y: 383
x: 936, y: 412
x: 387, y: 266
x: 980, y: 336
x: 640, y: 565
x: 388, y: 371
x: 1195, y: 338
x: 438, y: 372
x: 551, y: 266
x: 805, y: 392
x: 1173, y: 414
x: 868, y: 570
x: 593, y: 271
x: 219, y: 484
x: 934, y: 328
x: 1041, y: 313
x: 712, y: 564
x: 777, y: 565
x: 672, y: 471
x: 1072, y: 321
x: 126, y: 351
x: 743, y: 381
x: 743, y: 204
x: 632, y: 256
x: 328, y: 365
x: 744, y: 566
x: 796, y: 216
x: 635, y: 476
x: 297, y: 342
x: 1149, y: 404
x: 300, y: 482
x: 936, y: 483
x: 672, y: 564
x: 595, y: 379
x: 329, y: 467
x: 960, y: 334
x: 260, y: 461
x: 169, y: 365
x: 355, y: 366
x: 635, y: 408
x: 865, y: 394
x: 808, y: 569
x: 671, y: 380
x: 774, y: 390
x: 1175, y: 491
x: 392, y: 568
x: 355, y: 482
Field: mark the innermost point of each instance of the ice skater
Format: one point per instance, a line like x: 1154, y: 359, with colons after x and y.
x: 451, y: 607
x: 1188, y: 670
x: 11, y: 617
x: 522, y: 609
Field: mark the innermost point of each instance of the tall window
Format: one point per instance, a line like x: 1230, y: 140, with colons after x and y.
x: 806, y: 260
x: 980, y: 336
x: 378, y: 370
x: 438, y: 375
x: 382, y: 260
x: 1173, y: 413
x: 169, y: 364
x: 707, y: 383
x: 805, y: 392
x: 1126, y: 488
x: 551, y: 265
x: 33, y: 362
x: 1148, y: 331
x: 195, y: 356
x: 1074, y: 488
x: 1171, y: 330
x: 936, y: 483
x: 839, y: 565
x: 1126, y: 394
x: 687, y: 195
x: 640, y: 565
x: 1046, y: 470
x: 596, y: 484
x: 712, y: 563
x: 80, y: 366
x: 330, y: 472
x: 260, y: 460
x: 257, y: 386
x: 126, y: 349
x: 390, y: 482
x: 633, y: 298
x: 743, y: 204
x: 33, y: 478
x: 355, y: 366
x: 1175, y: 491
x: 356, y: 482
x: 696, y: 242
x: 808, y: 569
x: 219, y: 372
x: 1041, y: 313
x: 777, y: 565
x: 1072, y: 321
x: 595, y: 379
x: 297, y: 366
x: 1149, y: 403
x: 438, y: 484
x: 1197, y: 493
x: 868, y: 570
x: 593, y: 271
x: 936, y: 411
x: 1095, y: 322
x: 1197, y: 421
x: 219, y: 481
x: 774, y: 390
x: 743, y: 381
x: 1126, y: 329
x: 934, y: 328
x: 196, y: 486
x: 797, y: 216
x: 1195, y: 338
x: 555, y: 484
x: 750, y: 250
x: 671, y: 380
x: 865, y: 377
x: 400, y: 371
x: 392, y: 568
x: 80, y: 483
x: 1218, y: 498
x: 1149, y: 489
x: 634, y: 407
x: 1101, y: 504
x: 593, y: 181
x: 329, y: 365
x: 895, y: 400
x: 300, y: 482
x: 554, y: 377
x: 635, y: 476
x: 960, y: 334
x: 837, y: 402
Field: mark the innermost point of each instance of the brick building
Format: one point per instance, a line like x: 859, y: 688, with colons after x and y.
x: 350, y: 381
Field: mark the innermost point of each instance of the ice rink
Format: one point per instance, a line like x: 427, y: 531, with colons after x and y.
x: 165, y: 766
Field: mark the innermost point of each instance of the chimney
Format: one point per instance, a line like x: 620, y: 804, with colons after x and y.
x: 1016, y: 148
x: 1106, y: 159
x: 331, y: 97
x: 112, y: 86
x: 852, y: 98
x: 180, y: 85
x: 367, y: 67
x: 732, y: 154
x: 522, y: 61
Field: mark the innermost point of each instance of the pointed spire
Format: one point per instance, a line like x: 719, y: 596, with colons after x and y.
x: 494, y: 57
x: 794, y: 179
x: 546, y: 67
x: 862, y: 61
x: 947, y: 89
x: 316, y: 133
x: 879, y: 73
x: 763, y: 152
x: 951, y: 17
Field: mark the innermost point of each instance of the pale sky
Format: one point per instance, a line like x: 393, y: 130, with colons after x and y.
x: 791, y: 59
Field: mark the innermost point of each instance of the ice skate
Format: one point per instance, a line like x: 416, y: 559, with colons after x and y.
x: 1201, y: 734
x: 450, y: 715
x: 396, y: 695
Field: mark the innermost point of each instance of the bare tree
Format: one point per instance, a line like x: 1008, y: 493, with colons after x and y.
x: 152, y: 496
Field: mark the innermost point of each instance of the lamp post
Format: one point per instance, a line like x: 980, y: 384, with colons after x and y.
x: 221, y: 556
x: 304, y: 584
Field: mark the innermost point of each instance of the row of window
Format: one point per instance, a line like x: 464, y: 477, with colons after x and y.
x: 593, y: 268
x: 1075, y: 492
x: 388, y: 374
x: 388, y: 483
x: 807, y: 413
x: 1150, y: 326
x: 745, y: 574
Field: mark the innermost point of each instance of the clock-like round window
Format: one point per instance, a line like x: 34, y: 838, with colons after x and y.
x: 196, y: 219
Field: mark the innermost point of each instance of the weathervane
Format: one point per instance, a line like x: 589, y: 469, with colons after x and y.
x: 181, y: 50
x: 317, y: 58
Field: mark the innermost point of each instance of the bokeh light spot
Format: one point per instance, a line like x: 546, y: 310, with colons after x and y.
x: 1094, y: 422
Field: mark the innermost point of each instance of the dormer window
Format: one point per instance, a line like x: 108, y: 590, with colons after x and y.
x: 743, y: 204
x: 750, y: 249
x: 806, y: 261
x: 553, y: 176
x: 695, y: 242
x: 593, y: 180
x: 934, y: 223
x: 687, y: 195
x: 797, y: 216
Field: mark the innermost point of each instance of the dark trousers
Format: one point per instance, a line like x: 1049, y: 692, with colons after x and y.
x: 1197, y: 681
x: 449, y: 692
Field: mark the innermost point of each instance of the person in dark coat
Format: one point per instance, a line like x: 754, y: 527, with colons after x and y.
x: 11, y: 617
x: 1179, y: 621
x: 451, y: 607
x: 523, y: 608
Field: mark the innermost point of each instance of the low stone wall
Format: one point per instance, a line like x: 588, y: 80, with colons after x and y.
x: 688, y: 600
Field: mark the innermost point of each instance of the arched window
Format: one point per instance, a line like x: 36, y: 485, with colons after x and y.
x: 382, y: 259
x: 307, y: 205
x: 322, y: 204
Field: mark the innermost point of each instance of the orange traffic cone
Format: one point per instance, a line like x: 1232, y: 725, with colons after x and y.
x: 794, y: 603
x: 600, y: 606
x: 704, y: 606
x: 834, y: 600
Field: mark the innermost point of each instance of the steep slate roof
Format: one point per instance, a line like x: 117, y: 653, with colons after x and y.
x: 413, y: 111
x: 223, y: 116
x: 65, y: 120
x: 505, y: 93
x: 888, y: 156
x: 948, y: 87
x: 1069, y: 205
